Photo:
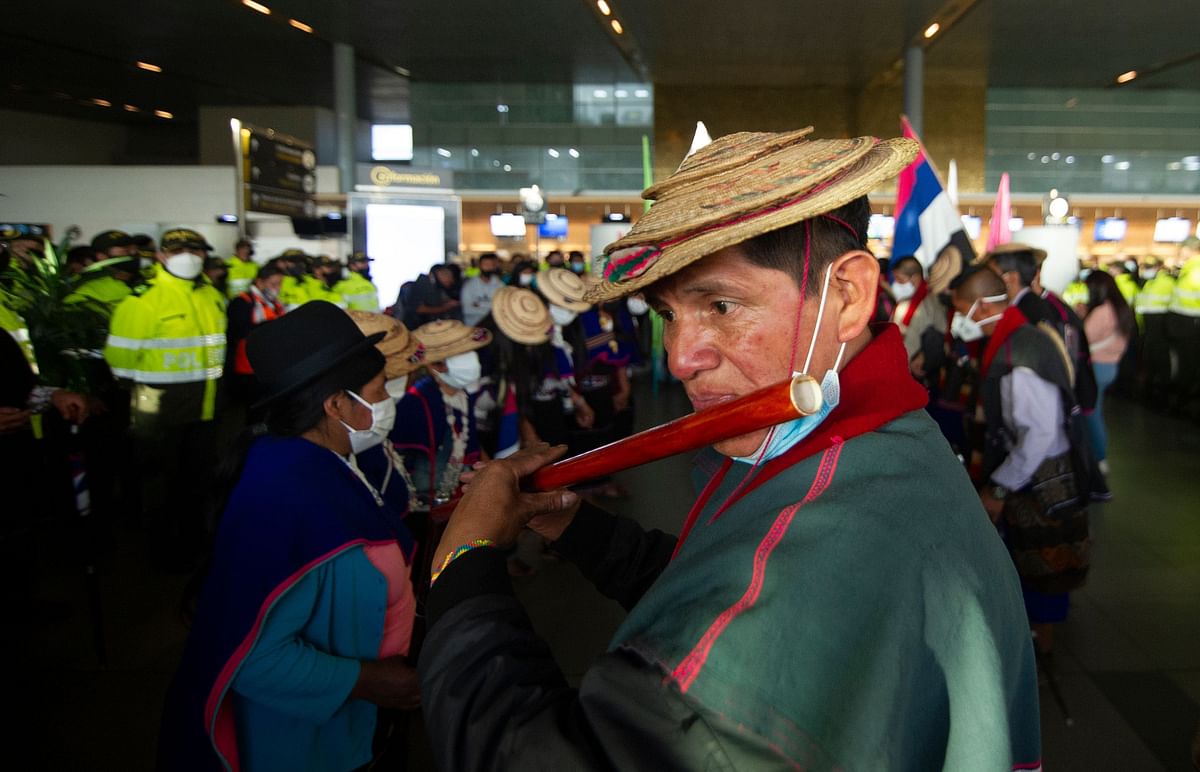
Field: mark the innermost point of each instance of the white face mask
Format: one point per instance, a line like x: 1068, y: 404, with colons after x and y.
x: 383, y: 419
x: 562, y: 316
x: 525, y: 279
x: 396, y: 386
x: 965, y: 328
x: 637, y: 306
x: 903, y: 290
x: 185, y: 265
x: 786, y: 435
x: 461, y: 370
x: 1149, y: 273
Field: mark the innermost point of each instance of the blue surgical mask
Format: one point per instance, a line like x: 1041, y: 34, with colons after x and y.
x: 784, y: 436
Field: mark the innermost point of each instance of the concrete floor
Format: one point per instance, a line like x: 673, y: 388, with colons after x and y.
x: 1128, y: 657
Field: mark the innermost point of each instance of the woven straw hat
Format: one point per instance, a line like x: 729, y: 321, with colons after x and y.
x: 1039, y: 255
x: 404, y: 353
x: 521, y: 315
x: 444, y: 338
x: 563, y: 288
x: 741, y: 186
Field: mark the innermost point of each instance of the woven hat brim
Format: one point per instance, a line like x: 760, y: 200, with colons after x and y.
x: 884, y: 161
x: 556, y: 296
x: 522, y: 330
x: 400, y: 362
x: 721, y: 156
x: 442, y: 353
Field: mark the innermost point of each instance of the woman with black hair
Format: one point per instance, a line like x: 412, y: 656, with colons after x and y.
x: 1109, y: 325
x: 559, y: 409
x: 302, y: 627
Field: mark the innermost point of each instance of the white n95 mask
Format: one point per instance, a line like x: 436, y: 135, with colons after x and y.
x: 461, y: 370
x: 185, y: 265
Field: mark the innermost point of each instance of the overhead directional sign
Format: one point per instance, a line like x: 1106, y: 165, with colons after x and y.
x: 279, y: 173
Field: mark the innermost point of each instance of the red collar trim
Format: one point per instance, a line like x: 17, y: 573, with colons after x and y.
x: 1012, y: 321
x: 876, y: 387
x: 918, y: 296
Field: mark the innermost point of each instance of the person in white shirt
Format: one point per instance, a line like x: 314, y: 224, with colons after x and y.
x: 477, y: 292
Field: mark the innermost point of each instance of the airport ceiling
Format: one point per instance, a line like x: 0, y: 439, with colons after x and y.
x: 69, y: 57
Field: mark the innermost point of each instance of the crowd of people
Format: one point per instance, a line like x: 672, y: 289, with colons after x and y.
x: 347, y: 477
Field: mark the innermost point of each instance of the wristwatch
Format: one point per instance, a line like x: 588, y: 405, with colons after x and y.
x: 999, y: 492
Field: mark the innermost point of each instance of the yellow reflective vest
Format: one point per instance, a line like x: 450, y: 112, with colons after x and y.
x: 1155, y: 297
x: 317, y: 290
x: 12, y: 323
x: 293, y: 293
x: 1185, y: 299
x: 173, y: 334
x: 1128, y: 287
x: 358, y: 292
x: 241, y: 273
x: 105, y: 293
x: 1076, y: 294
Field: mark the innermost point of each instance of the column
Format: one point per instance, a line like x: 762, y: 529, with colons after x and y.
x: 914, y: 87
x: 346, y: 113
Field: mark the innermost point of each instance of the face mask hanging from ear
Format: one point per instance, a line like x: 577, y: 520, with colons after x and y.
x: 786, y: 435
x: 965, y: 328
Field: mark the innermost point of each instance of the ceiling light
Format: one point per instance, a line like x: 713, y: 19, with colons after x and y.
x: 1121, y: 166
x: 573, y: 153
x: 641, y: 93
x: 164, y: 114
x: 300, y: 26
x: 1072, y: 102
x: 402, y: 71
x: 1055, y: 156
x: 508, y: 167
x: 1191, y: 159
x: 1031, y: 156
x: 101, y: 102
x: 149, y: 67
x: 600, y: 93
x: 1107, y: 159
x: 603, y: 6
x: 132, y: 109
x: 1174, y: 167
x: 932, y: 30
x: 1191, y: 167
x: 501, y: 108
x: 620, y: 93
x: 443, y: 152
x: 617, y: 28
x: 1125, y: 77
x: 474, y: 152
x: 1059, y: 207
x: 552, y: 153
x: 1070, y: 159
x: 253, y: 6
x: 1045, y: 159
x: 496, y: 164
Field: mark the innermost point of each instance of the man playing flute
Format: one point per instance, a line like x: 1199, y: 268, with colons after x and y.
x: 836, y: 599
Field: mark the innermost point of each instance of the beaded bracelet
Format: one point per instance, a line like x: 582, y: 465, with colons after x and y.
x: 452, y: 554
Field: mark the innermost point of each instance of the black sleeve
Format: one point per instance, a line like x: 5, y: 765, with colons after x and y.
x: 240, y: 321
x: 494, y: 698
x: 615, y: 553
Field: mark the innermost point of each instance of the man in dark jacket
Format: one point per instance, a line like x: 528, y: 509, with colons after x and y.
x: 836, y: 598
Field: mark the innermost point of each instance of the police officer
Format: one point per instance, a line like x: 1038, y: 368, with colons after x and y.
x: 169, y: 343
x: 242, y: 269
x: 107, y: 287
x: 1152, y: 304
x: 1183, y: 330
x: 357, y: 289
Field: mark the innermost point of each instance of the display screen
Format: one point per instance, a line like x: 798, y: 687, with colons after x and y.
x: 405, y: 242
x: 881, y: 226
x: 1172, y: 230
x: 510, y: 226
x: 391, y: 142
x: 555, y: 227
x: 1110, y: 229
x: 1015, y: 224
x: 973, y: 225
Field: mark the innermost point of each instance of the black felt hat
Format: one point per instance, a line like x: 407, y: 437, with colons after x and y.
x: 302, y: 345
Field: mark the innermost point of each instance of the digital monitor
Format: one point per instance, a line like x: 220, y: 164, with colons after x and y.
x: 555, y: 227
x: 508, y: 226
x: 1172, y: 230
x: 1015, y: 224
x: 973, y: 225
x: 333, y: 224
x: 881, y: 226
x: 307, y: 227
x: 1110, y: 229
x: 391, y: 142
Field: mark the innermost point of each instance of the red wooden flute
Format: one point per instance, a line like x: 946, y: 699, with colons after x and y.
x: 784, y: 401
